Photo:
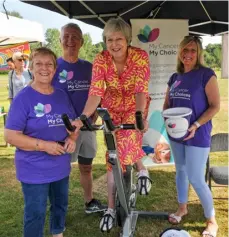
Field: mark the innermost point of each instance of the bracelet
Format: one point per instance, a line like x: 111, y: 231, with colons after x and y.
x: 37, y: 145
x: 197, y: 124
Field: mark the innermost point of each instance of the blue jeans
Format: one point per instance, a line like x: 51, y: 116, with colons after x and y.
x: 190, y: 162
x: 35, y: 203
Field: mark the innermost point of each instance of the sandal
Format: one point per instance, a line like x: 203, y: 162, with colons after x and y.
x: 107, y: 221
x: 209, y: 234
x: 177, y: 219
x: 210, y: 231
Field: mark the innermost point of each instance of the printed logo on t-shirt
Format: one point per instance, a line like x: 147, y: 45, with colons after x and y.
x: 73, y: 85
x: 52, y: 119
x: 40, y: 109
x: 174, y: 85
x: 179, y: 93
x: 64, y: 76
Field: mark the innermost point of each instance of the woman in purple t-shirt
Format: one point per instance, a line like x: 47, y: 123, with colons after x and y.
x: 193, y: 86
x: 43, y: 147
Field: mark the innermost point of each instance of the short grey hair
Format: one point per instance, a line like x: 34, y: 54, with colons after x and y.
x: 71, y: 25
x: 117, y: 24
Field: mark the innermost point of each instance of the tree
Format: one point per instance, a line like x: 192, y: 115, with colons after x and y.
x: 88, y: 50
x: 52, y: 38
x: 212, y: 55
x: 14, y: 13
x: 35, y: 45
x: 101, y: 44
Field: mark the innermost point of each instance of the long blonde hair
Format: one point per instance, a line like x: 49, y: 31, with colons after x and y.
x: 187, y: 40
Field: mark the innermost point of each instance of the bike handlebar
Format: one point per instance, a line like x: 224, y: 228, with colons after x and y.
x: 139, y: 120
x: 103, y: 113
x: 67, y: 123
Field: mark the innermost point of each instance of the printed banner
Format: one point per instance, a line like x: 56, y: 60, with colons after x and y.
x: 7, y: 52
x: 160, y: 39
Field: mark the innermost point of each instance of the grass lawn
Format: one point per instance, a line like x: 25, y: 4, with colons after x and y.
x: 161, y: 198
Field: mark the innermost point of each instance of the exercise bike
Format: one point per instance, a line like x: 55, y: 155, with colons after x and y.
x: 126, y: 189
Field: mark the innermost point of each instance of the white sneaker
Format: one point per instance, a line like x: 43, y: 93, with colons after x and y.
x: 144, y: 182
x: 107, y: 221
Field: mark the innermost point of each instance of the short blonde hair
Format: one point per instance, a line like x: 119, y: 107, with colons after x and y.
x: 117, y: 24
x: 42, y: 51
x: 187, y: 40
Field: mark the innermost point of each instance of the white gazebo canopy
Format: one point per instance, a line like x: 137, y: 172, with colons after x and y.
x: 16, y: 30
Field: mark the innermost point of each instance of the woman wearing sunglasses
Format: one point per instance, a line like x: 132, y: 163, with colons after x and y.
x: 197, y: 88
x: 19, y: 77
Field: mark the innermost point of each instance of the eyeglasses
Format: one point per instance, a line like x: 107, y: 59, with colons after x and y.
x: 193, y: 37
x: 20, y: 59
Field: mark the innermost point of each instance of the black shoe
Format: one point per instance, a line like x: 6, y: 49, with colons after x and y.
x: 94, y: 206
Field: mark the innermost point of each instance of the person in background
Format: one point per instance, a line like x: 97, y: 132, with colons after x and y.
x: 43, y: 146
x: 120, y: 80
x: 19, y: 77
x: 73, y: 75
x: 198, y: 90
x: 26, y: 61
x: 10, y: 63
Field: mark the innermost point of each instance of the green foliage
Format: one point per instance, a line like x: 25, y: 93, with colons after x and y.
x: 89, y: 50
x: 101, y: 44
x: 34, y: 45
x: 52, y: 38
x: 212, y: 55
x: 15, y: 14
x: 4, y: 72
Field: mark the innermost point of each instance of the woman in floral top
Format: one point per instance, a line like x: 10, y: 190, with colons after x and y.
x: 120, y: 79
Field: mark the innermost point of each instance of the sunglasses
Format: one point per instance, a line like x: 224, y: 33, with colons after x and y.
x: 20, y: 59
x: 193, y: 37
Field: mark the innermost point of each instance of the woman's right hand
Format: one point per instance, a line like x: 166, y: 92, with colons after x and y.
x: 53, y: 148
x: 78, y: 124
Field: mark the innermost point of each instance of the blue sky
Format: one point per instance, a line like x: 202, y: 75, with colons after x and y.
x: 54, y: 20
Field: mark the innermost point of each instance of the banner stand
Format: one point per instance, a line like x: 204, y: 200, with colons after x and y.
x: 160, y: 39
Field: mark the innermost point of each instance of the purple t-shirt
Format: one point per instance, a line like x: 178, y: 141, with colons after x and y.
x: 188, y: 90
x: 75, y: 79
x: 39, y: 116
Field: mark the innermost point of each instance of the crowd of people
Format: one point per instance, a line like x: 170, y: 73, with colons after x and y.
x: 117, y: 80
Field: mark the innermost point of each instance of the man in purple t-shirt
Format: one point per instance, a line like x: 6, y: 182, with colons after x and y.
x: 74, y: 76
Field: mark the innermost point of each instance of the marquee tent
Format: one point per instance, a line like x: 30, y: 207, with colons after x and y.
x: 205, y: 17
x: 15, y: 30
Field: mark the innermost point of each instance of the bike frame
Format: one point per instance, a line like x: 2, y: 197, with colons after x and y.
x: 124, y: 212
x: 131, y: 216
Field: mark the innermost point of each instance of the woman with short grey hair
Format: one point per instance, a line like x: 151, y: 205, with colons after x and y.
x: 120, y: 76
x: 116, y: 24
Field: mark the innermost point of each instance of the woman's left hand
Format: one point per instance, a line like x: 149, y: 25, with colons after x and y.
x: 192, y: 131
x: 70, y: 145
x: 146, y: 126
